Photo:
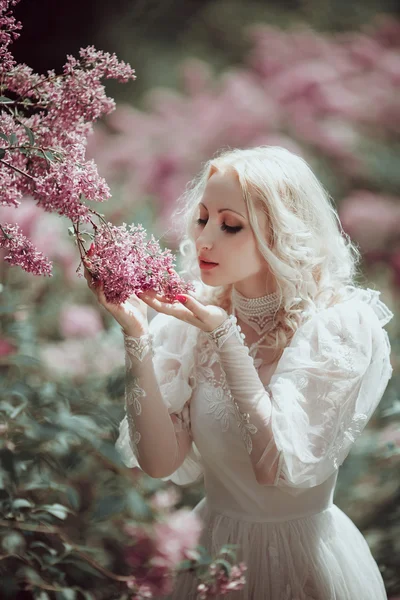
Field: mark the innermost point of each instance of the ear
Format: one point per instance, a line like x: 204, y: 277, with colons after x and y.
x: 213, y: 170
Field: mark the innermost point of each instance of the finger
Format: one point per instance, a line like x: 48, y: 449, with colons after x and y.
x: 168, y: 308
x: 194, y: 306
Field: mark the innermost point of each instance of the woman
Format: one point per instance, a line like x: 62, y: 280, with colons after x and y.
x: 263, y: 379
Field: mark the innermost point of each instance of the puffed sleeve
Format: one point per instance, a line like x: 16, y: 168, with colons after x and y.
x: 172, y: 344
x: 325, y: 389
x: 299, y: 429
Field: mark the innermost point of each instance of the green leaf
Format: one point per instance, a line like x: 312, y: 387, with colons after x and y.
x: 49, y: 549
x: 30, y: 135
x: 5, y: 100
x: 108, y: 506
x: 22, y: 503
x: 2, y: 153
x: 22, y: 360
x: 83, y: 566
x: 136, y: 504
x: 3, y: 136
x: 49, y: 155
x: 58, y: 510
x: 73, y: 498
x: 13, y: 542
x: 42, y: 595
x: 66, y: 594
x: 13, y: 139
x: 87, y: 595
x: 224, y: 564
x: 185, y: 564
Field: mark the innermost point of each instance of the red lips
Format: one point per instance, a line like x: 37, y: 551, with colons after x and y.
x: 202, y: 259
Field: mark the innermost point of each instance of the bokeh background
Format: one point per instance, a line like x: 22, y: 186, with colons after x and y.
x: 319, y: 77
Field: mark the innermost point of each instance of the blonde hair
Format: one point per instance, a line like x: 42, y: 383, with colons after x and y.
x: 307, y: 252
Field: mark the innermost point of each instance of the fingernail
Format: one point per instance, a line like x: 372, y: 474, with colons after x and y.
x: 181, y: 298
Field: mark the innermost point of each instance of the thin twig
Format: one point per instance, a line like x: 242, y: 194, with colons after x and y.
x: 16, y: 169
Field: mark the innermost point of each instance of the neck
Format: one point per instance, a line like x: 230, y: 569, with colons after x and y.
x: 256, y: 287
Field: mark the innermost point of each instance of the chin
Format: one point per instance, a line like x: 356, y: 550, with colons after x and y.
x: 212, y: 281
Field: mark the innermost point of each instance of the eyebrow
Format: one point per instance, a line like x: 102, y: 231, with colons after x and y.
x: 220, y: 210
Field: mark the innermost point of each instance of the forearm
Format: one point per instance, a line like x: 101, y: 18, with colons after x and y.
x: 152, y: 434
x: 252, y: 402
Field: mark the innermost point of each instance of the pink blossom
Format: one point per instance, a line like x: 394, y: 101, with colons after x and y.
x: 220, y: 583
x: 154, y: 555
x: 176, y: 535
x: 371, y: 220
x: 9, y: 28
x: 78, y: 360
x: 80, y: 321
x: 43, y: 154
x: 21, y: 251
x: 6, y: 347
x: 126, y: 263
x: 150, y: 574
x: 395, y: 264
x: 165, y: 499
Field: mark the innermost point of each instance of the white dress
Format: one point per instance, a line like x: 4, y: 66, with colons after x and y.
x: 270, y: 452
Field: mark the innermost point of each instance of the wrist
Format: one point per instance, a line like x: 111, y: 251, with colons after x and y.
x: 135, y: 333
x: 223, y: 332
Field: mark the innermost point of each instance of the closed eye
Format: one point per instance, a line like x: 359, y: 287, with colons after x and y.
x: 224, y: 227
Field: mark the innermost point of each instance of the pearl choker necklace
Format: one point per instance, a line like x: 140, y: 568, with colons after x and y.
x: 258, y: 313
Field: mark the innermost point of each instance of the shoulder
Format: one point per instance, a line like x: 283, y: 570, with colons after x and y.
x: 344, y: 337
x: 360, y: 313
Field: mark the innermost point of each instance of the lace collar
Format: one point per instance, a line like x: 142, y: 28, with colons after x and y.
x: 258, y: 313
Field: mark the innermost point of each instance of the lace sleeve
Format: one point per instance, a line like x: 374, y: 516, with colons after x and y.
x: 155, y: 433
x: 327, y: 384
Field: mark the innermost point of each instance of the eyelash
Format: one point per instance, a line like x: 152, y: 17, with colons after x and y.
x: 223, y: 226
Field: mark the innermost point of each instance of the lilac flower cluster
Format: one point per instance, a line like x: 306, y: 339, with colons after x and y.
x: 156, y: 554
x: 127, y: 263
x: 45, y: 121
x: 9, y: 28
x: 21, y: 251
x: 222, y: 581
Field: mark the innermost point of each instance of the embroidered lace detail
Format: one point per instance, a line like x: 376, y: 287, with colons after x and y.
x: 132, y: 395
x: 138, y: 347
x: 134, y: 435
x: 246, y: 428
x: 135, y: 348
x: 348, y: 430
x: 218, y: 395
x: 229, y: 327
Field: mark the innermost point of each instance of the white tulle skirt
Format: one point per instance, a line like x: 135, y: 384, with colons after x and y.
x: 322, y: 557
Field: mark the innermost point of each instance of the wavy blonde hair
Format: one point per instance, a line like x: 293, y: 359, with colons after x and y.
x: 307, y: 252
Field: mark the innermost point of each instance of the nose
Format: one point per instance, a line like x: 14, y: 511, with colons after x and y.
x: 204, y: 242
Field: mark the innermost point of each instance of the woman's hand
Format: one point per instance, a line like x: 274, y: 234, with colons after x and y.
x: 188, y: 309
x: 131, y: 315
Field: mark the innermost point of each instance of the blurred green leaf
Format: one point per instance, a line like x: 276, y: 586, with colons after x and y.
x: 66, y: 594
x: 58, y: 510
x: 22, y: 503
x: 30, y: 135
x: 107, y: 506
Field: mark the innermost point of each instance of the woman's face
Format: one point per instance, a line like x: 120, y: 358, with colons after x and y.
x: 223, y: 236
